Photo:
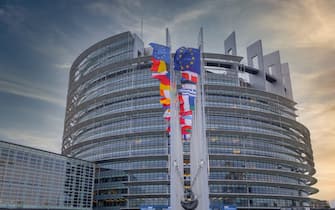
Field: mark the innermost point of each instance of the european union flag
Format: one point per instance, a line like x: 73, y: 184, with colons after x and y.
x: 161, y: 52
x: 187, y: 59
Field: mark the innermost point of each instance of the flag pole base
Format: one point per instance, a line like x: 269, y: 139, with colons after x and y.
x: 190, y: 202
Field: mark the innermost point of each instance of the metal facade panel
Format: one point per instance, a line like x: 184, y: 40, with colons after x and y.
x: 287, y: 81
x: 255, y: 50
x: 272, y: 67
x: 230, y: 44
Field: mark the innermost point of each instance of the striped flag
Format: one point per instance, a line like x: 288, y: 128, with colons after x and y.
x: 160, y: 58
x: 189, y: 76
x: 188, y: 92
x: 162, y: 77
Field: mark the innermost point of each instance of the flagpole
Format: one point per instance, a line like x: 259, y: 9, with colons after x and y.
x: 198, y: 147
x: 176, y: 145
x: 205, y: 157
x: 203, y: 79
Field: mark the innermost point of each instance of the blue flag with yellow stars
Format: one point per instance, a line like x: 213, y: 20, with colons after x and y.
x: 161, y: 52
x: 187, y: 59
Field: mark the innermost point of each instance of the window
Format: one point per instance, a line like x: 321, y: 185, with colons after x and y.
x: 254, y: 62
x: 271, y: 69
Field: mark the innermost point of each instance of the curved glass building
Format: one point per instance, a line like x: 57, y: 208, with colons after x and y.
x: 260, y: 156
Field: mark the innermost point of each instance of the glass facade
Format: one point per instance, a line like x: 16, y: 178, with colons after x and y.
x: 36, y: 179
x: 260, y: 156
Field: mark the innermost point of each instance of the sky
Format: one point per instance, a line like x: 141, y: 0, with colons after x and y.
x: 39, y: 40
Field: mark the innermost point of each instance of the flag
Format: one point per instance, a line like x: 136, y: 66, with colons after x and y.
x: 187, y: 59
x: 166, y: 106
x: 159, y: 74
x: 191, y: 100
x: 186, y: 129
x: 186, y: 120
x: 181, y: 100
x: 162, y: 77
x: 165, y: 101
x: 185, y: 113
x: 164, y: 93
x: 188, y: 92
x: 164, y: 87
x: 167, y: 114
x: 181, y: 110
x: 187, y: 136
x: 189, y: 86
x: 188, y: 117
x: 185, y: 103
x: 189, y: 76
x: 161, y: 56
x: 188, y: 89
x: 158, y: 65
x: 160, y: 52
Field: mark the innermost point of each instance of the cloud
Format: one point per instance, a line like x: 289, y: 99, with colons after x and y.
x: 300, y: 24
x: 12, y: 16
x: 156, y: 17
x: 46, y: 37
x: 189, y: 16
x: 17, y: 86
x: 119, y: 12
x: 320, y: 88
x: 63, y: 66
x: 316, y: 95
x: 32, y: 138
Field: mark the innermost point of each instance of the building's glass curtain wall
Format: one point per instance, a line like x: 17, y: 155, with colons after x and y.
x: 36, y: 179
x: 260, y: 156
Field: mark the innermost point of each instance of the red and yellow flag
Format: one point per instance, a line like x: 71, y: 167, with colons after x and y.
x: 158, y: 66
